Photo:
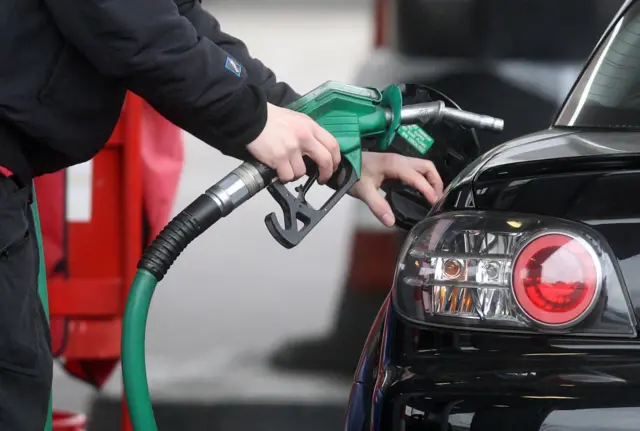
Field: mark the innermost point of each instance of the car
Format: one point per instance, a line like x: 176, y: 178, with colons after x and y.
x: 515, y: 301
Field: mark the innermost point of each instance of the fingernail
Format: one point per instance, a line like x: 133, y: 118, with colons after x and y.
x: 388, y: 219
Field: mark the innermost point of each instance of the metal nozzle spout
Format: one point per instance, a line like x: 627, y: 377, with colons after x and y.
x: 470, y: 119
x: 435, y: 112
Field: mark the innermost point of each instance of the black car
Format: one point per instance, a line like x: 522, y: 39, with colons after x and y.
x: 515, y: 303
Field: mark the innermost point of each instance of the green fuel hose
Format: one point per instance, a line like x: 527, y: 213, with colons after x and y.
x: 42, y: 281
x: 134, y: 368
x: 237, y: 187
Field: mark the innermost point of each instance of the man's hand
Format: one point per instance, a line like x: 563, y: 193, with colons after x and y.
x: 377, y: 167
x: 290, y: 135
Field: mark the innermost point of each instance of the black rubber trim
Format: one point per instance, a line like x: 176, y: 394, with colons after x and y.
x: 178, y: 234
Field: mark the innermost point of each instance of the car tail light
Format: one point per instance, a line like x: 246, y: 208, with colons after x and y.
x: 556, y: 278
x: 507, y: 272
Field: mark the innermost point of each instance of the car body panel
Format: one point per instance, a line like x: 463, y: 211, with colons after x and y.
x: 432, y: 379
x: 510, y: 382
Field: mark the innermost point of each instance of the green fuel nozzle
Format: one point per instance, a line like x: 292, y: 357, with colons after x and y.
x: 352, y: 114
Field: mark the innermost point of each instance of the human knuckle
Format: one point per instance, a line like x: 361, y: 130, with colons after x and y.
x: 304, y: 118
x: 332, y: 144
x: 280, y: 160
x: 305, y: 134
x: 289, y: 147
x: 280, y: 153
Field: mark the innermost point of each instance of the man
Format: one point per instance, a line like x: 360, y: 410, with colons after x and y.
x: 65, y: 66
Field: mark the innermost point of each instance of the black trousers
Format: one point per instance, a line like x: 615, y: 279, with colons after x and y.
x: 26, y: 365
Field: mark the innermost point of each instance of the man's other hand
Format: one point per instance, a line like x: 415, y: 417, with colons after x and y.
x: 420, y: 174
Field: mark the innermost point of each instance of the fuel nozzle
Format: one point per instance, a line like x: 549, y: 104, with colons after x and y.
x: 435, y: 112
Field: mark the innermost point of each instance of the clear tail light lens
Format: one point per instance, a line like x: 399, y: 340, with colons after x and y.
x: 508, y: 272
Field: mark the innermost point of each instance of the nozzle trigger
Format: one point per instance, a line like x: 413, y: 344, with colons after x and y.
x: 296, y: 208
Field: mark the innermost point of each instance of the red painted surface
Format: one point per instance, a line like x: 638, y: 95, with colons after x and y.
x: 69, y: 421
x: 88, y: 292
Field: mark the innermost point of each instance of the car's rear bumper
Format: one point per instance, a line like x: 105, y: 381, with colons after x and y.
x: 419, y: 380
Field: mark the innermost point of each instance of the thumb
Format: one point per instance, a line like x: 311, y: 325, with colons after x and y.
x: 376, y: 203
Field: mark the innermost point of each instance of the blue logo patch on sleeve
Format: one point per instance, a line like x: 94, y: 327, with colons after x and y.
x: 233, y: 66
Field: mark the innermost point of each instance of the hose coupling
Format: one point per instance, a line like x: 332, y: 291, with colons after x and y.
x: 237, y: 187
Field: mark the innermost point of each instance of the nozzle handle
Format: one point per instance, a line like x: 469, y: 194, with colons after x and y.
x: 296, y: 208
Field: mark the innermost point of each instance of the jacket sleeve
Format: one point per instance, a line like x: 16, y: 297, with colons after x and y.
x: 159, y: 55
x: 278, y: 93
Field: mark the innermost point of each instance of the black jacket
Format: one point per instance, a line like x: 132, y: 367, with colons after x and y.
x: 65, y: 66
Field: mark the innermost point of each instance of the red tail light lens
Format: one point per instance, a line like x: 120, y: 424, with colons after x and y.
x: 556, y: 279
x: 495, y: 271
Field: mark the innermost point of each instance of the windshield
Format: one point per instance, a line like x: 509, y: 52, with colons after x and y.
x: 607, y: 94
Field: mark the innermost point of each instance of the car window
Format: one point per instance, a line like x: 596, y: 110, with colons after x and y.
x: 607, y: 94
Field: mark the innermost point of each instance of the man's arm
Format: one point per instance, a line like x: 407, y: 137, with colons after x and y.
x: 159, y: 55
x: 278, y: 93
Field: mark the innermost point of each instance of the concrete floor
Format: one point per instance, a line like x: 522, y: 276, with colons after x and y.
x: 235, y: 290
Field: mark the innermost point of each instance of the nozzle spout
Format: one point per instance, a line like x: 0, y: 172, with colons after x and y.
x: 423, y: 112
x: 435, y: 112
x: 476, y: 121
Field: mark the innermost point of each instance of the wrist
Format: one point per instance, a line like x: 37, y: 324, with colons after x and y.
x: 244, y: 121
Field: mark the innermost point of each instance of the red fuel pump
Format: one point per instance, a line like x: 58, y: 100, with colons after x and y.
x: 105, y: 201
